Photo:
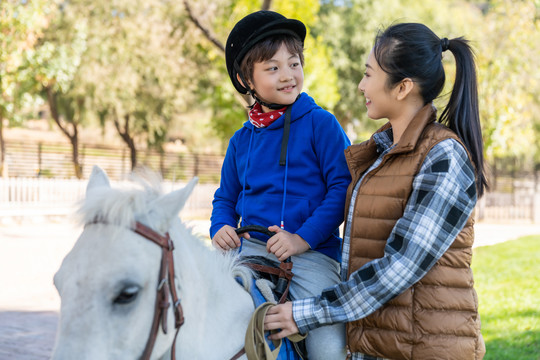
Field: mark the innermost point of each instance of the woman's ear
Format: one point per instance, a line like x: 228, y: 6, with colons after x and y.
x: 404, y: 88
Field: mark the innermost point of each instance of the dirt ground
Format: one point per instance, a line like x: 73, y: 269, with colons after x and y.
x: 32, y: 251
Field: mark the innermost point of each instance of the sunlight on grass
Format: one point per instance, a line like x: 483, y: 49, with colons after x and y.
x: 507, y: 279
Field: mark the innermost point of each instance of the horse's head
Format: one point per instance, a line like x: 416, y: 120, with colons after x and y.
x: 108, y: 282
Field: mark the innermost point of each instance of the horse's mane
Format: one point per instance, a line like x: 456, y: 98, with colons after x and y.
x: 124, y: 206
x: 116, y: 206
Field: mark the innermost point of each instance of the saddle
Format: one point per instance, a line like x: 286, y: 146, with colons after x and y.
x: 277, y: 275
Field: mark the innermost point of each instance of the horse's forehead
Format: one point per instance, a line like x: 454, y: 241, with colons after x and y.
x: 104, y: 251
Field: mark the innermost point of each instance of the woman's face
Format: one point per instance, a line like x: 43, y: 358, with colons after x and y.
x: 379, y: 99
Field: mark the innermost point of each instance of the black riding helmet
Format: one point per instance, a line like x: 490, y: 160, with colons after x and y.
x: 252, y: 29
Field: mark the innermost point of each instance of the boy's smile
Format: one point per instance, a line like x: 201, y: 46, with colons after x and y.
x: 278, y: 80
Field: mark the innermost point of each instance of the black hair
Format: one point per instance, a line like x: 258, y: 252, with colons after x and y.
x: 412, y: 50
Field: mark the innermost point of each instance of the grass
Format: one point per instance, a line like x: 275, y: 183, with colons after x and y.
x: 507, y: 279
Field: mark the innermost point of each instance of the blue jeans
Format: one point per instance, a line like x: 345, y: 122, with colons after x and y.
x: 313, y: 272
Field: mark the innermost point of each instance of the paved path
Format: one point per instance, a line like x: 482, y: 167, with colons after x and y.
x: 31, y: 252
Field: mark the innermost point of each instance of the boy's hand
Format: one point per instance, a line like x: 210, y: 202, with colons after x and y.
x: 226, y: 238
x: 285, y: 244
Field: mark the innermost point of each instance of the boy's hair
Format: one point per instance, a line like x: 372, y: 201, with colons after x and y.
x: 266, y: 49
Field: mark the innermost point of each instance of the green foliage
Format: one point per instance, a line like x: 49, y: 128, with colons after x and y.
x: 509, y: 78
x: 21, y: 25
x: 348, y: 29
x: 506, y: 279
x: 147, y: 60
x: 134, y: 64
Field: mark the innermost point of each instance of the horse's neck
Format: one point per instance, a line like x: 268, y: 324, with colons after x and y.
x: 216, y: 309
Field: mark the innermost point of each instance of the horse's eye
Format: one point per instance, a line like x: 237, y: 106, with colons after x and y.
x: 127, y: 295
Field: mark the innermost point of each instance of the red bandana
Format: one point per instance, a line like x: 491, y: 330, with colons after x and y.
x: 261, y: 119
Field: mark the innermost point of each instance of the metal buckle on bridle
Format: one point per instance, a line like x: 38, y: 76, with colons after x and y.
x: 161, y: 284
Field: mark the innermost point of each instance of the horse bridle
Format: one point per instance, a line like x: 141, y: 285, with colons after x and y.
x: 167, y: 269
x: 162, y: 299
x: 164, y: 286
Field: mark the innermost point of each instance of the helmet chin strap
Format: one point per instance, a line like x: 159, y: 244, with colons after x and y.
x: 270, y: 106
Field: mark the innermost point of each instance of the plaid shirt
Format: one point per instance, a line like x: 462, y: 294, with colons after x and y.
x: 443, y: 190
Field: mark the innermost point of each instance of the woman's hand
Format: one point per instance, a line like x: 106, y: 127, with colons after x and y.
x: 226, y: 238
x: 285, y: 244
x: 280, y: 317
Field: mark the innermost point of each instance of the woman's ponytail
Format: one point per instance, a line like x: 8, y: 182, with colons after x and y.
x: 461, y: 113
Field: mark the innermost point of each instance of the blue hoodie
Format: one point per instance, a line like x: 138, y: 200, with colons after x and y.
x: 308, y: 194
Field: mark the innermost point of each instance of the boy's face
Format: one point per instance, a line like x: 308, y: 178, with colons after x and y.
x: 278, y: 80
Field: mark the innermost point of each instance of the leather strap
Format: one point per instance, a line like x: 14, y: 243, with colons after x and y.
x: 239, y: 354
x: 255, y: 344
x: 284, y: 272
x: 166, y: 286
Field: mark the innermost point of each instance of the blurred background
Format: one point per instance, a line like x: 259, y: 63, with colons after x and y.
x: 123, y: 83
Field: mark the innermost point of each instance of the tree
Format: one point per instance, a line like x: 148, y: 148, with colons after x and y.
x: 21, y: 24
x: 510, y: 82
x: 120, y: 62
x: 56, y: 67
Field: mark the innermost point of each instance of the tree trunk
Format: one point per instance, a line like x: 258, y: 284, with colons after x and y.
x: 75, y: 152
x: 266, y: 4
x: 3, y: 166
x: 73, y: 138
x: 128, y: 139
x: 207, y: 33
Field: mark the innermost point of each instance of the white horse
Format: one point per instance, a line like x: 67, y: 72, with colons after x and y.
x: 108, y: 281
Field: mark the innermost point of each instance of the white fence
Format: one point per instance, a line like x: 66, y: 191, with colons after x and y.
x: 24, y: 197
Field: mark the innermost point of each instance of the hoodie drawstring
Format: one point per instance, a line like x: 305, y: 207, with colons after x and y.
x: 284, y: 159
x: 282, y: 225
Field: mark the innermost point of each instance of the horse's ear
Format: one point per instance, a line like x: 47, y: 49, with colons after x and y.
x: 98, y: 178
x: 173, y: 202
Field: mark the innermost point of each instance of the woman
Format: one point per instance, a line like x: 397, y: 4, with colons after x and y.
x: 407, y: 287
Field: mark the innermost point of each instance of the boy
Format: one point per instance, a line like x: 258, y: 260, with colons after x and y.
x: 285, y: 167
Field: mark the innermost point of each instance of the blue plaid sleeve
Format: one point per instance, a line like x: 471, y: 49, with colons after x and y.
x: 442, y: 199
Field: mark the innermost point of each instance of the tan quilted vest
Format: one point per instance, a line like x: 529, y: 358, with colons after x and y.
x: 437, y: 318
